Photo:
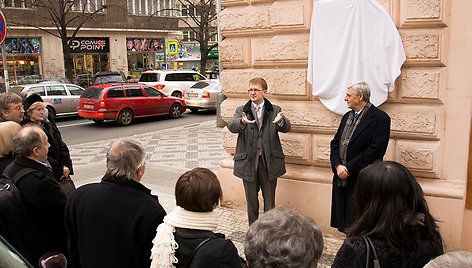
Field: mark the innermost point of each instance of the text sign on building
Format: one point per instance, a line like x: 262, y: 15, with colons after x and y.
x: 3, y: 27
x: 172, y: 47
x: 90, y: 45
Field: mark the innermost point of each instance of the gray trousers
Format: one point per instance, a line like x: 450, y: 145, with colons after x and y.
x: 251, y: 189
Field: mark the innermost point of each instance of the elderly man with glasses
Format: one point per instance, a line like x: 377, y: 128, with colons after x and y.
x: 259, y: 159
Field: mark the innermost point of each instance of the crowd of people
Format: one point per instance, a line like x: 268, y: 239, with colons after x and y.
x: 118, y: 222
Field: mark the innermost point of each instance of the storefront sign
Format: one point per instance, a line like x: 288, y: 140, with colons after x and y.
x: 22, y: 45
x: 144, y: 44
x: 90, y: 45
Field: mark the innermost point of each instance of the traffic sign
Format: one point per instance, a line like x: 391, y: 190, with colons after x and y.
x: 3, y: 27
x: 172, y: 48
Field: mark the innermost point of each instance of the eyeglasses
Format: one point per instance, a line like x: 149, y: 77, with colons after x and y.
x: 254, y: 90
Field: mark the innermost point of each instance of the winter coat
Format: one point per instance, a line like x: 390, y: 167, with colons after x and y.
x: 246, y: 147
x: 112, y: 224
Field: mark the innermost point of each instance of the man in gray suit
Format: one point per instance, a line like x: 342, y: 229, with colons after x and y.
x: 259, y: 159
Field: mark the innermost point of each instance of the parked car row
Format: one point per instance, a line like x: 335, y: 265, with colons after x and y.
x: 198, y: 91
x: 112, y: 98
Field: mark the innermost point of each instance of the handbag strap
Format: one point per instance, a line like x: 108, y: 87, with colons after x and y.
x: 369, y: 244
x: 196, y: 249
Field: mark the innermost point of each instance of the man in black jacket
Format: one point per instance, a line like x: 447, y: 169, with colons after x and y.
x: 43, y: 199
x: 112, y: 223
x: 361, y: 139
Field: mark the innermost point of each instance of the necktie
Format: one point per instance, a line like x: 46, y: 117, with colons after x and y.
x: 258, y: 113
x: 356, y: 116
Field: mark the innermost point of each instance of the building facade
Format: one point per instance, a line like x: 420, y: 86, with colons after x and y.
x: 430, y: 107
x: 126, y: 36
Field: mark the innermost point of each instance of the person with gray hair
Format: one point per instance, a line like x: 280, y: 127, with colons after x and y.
x: 283, y: 238
x: 112, y: 223
x: 361, y: 139
x: 43, y: 199
x: 11, y: 107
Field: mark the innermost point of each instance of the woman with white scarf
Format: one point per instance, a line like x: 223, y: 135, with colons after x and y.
x: 186, y: 238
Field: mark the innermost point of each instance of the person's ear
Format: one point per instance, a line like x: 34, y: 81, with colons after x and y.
x: 140, y: 171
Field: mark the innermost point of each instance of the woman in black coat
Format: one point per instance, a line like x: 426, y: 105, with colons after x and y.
x: 394, y: 216
x: 186, y: 238
x: 58, y: 155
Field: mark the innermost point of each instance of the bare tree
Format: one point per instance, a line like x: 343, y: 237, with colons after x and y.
x: 64, y: 15
x: 201, y: 19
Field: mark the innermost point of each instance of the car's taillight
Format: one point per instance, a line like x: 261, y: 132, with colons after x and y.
x: 101, y: 104
x: 205, y: 94
x: 159, y: 86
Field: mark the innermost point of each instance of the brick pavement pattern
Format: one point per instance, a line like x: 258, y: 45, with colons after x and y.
x: 171, y: 152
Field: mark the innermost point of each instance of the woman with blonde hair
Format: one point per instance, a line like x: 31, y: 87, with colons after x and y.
x: 8, y: 130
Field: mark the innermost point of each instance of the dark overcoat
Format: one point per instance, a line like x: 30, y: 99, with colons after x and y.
x: 367, y: 144
x: 244, y: 157
x: 111, y: 224
x: 44, y: 202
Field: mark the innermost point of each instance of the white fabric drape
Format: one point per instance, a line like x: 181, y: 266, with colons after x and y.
x: 352, y: 40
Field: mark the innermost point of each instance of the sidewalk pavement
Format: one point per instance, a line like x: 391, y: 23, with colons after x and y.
x: 170, y: 153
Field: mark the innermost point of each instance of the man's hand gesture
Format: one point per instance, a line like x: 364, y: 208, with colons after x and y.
x: 279, y: 118
x: 245, y: 120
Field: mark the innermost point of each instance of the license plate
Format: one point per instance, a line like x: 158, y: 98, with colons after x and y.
x: 193, y: 95
x: 88, y: 106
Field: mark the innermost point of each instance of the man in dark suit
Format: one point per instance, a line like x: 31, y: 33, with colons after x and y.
x: 259, y: 159
x: 361, y: 139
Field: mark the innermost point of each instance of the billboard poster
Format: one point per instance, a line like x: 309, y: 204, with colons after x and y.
x: 22, y: 45
x: 144, y: 44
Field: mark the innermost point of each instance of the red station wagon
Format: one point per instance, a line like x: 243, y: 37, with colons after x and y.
x: 124, y: 102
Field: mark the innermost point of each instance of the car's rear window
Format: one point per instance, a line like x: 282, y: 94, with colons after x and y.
x: 92, y: 93
x: 149, y: 77
x: 109, y: 79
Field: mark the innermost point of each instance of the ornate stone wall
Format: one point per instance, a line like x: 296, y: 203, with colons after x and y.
x: 430, y: 106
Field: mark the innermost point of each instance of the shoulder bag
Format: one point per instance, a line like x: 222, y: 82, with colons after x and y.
x: 368, y: 245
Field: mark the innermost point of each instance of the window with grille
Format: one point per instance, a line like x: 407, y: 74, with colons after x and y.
x: 16, y: 3
x: 87, y: 5
x: 165, y: 8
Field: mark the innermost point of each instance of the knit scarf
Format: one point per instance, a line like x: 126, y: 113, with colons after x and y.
x: 163, y: 250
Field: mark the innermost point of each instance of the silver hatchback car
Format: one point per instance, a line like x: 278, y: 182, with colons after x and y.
x: 61, y: 99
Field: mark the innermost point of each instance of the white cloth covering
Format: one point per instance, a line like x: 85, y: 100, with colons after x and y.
x: 163, y: 250
x: 352, y: 40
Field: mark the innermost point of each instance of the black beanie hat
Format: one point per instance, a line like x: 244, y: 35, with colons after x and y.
x: 30, y: 99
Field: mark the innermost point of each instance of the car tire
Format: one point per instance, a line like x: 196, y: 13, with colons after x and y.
x: 177, y: 94
x: 97, y: 121
x: 126, y: 117
x: 194, y: 110
x: 175, y: 110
